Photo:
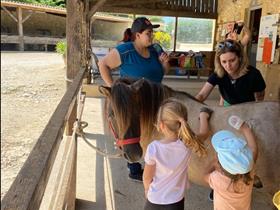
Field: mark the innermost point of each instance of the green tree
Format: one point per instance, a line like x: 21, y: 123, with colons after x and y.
x: 163, y: 38
x: 194, y: 30
x: 54, y: 3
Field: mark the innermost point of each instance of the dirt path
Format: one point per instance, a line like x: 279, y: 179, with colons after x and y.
x: 32, y: 84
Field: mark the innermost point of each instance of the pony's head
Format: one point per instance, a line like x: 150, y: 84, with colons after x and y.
x: 131, y: 110
x: 123, y: 117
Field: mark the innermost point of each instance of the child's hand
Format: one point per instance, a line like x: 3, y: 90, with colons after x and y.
x: 205, y: 113
x: 235, y: 122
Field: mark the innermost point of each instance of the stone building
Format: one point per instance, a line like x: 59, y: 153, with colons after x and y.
x: 36, y: 27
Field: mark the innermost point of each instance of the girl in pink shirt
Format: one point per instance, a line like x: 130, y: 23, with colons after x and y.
x: 166, y: 160
x: 232, y: 177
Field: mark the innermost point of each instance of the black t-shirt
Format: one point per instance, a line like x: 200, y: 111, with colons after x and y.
x: 240, y: 90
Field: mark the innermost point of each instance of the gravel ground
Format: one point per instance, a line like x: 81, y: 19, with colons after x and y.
x: 32, y: 84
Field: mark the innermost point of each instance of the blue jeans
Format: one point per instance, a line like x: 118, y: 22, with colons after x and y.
x: 134, y: 168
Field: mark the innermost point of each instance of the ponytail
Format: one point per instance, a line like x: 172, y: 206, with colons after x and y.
x: 190, y: 139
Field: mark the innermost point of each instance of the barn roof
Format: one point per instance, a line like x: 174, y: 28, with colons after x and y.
x: 59, y: 10
x: 176, y: 8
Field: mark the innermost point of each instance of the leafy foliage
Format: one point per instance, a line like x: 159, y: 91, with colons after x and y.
x: 163, y: 38
x: 61, y: 47
x: 194, y: 30
x: 54, y: 3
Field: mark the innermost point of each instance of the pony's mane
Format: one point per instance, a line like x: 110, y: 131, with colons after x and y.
x: 145, y: 99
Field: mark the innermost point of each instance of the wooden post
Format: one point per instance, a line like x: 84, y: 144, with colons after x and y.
x: 175, y: 34
x: 20, y: 29
x: 90, y: 10
x: 75, y: 48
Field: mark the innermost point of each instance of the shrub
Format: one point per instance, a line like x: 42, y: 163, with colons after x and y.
x: 61, y: 47
x: 163, y: 38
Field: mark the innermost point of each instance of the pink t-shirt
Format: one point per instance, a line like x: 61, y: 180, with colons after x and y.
x: 225, y: 198
x: 171, y: 179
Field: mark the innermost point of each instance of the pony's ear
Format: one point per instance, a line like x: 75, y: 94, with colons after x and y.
x: 104, y: 90
x: 137, y: 84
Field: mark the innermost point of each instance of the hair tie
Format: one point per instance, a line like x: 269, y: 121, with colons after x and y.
x: 181, y: 120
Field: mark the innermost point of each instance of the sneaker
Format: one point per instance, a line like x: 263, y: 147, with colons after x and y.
x: 136, y: 177
x: 210, y: 196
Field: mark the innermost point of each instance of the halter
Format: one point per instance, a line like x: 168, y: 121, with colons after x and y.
x: 122, y: 142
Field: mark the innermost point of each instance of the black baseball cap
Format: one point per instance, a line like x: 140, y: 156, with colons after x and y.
x: 142, y: 23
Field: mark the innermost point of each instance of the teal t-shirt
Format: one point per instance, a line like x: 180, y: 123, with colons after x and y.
x: 136, y: 66
x: 226, y: 104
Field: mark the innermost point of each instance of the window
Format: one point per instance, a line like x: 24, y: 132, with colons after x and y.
x: 195, y: 34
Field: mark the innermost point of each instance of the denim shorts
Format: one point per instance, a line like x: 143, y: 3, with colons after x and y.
x: 173, y: 206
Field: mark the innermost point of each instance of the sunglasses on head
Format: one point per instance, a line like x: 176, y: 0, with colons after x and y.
x: 225, y: 44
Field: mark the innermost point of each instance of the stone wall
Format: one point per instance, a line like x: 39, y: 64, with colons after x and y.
x: 233, y: 10
x: 230, y: 10
x: 104, y: 30
x: 8, y: 25
x: 43, y: 24
x: 39, y: 24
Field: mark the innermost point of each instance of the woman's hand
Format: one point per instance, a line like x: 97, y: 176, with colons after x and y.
x: 164, y: 58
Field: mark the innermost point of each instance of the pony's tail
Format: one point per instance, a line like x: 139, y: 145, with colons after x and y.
x: 190, y: 139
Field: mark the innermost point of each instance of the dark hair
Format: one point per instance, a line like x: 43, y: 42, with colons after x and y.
x: 246, y: 178
x: 127, y: 35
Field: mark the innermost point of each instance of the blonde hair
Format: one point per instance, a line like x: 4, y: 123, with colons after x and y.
x: 233, y: 47
x: 174, y: 115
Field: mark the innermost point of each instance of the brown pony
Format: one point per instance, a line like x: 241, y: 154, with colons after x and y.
x: 134, y: 104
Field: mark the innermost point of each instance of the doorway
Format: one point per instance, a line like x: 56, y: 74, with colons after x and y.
x: 254, y: 26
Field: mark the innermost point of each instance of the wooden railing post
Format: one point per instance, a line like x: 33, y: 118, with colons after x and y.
x: 20, y: 29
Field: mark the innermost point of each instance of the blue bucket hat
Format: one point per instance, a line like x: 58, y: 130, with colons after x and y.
x: 233, y: 153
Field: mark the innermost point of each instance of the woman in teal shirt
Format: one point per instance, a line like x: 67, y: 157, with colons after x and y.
x: 136, y: 59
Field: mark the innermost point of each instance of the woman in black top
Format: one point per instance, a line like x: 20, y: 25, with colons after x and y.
x: 237, y: 81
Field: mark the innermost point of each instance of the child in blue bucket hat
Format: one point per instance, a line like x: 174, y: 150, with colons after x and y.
x: 232, y: 177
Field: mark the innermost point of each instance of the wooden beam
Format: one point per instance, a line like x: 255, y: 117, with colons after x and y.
x: 28, y: 187
x: 92, y: 90
x: 28, y: 16
x: 9, y: 13
x: 20, y: 29
x: 175, y: 34
x: 159, y: 12
x: 95, y: 7
x: 135, y: 2
x: 61, y: 194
